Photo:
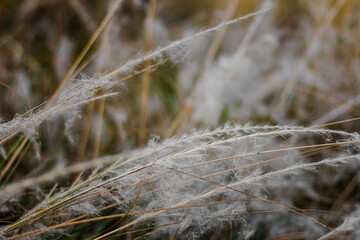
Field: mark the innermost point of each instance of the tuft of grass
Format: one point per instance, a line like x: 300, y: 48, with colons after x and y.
x: 166, y: 148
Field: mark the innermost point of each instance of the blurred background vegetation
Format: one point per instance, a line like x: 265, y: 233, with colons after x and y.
x: 40, y: 40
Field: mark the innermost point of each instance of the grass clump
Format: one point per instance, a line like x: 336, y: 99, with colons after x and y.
x: 146, y: 131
